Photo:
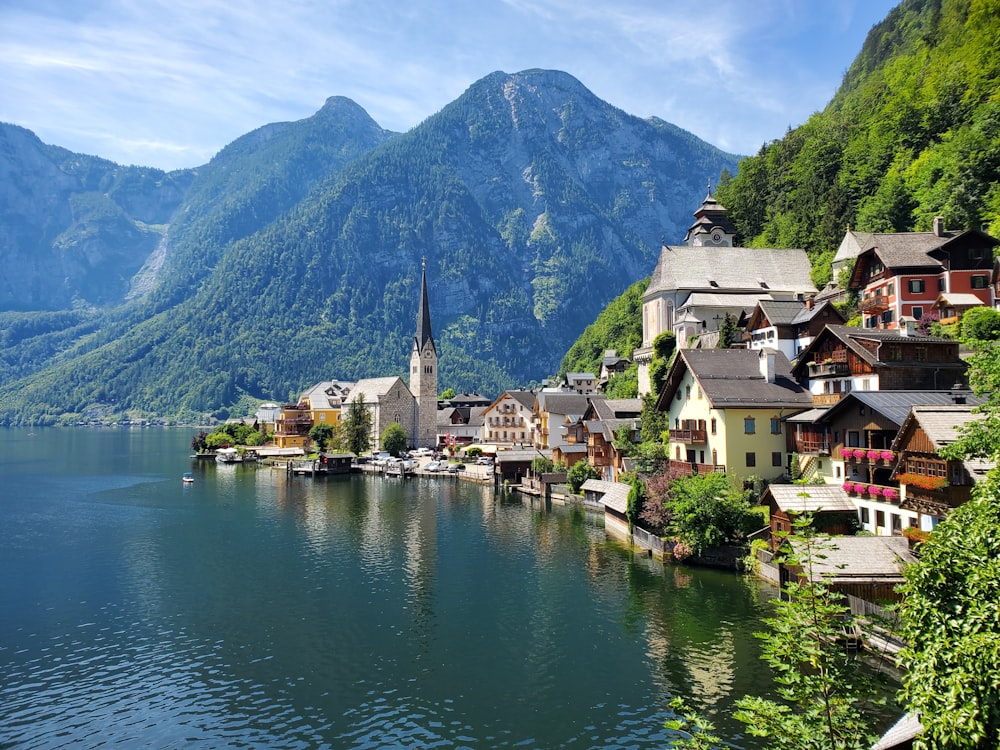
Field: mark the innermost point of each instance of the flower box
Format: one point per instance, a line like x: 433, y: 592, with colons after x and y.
x: 889, y: 493
x: 922, y: 481
x: 845, y: 452
x: 874, y: 455
x: 887, y: 455
x: 858, y: 453
x: 874, y: 491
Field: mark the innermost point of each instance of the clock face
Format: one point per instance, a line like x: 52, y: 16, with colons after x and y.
x: 427, y: 353
x: 716, y: 237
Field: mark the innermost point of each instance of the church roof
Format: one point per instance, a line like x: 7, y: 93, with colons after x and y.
x: 423, y: 317
x: 718, y: 299
x: 731, y: 270
x: 373, y: 388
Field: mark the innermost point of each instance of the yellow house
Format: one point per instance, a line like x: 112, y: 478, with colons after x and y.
x: 325, y: 401
x: 726, y: 409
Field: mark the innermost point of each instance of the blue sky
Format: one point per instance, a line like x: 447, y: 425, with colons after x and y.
x: 168, y: 83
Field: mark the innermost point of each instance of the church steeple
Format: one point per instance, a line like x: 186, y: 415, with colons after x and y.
x: 423, y: 372
x: 423, y: 314
x: 712, y: 227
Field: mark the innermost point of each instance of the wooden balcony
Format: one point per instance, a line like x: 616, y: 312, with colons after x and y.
x: 679, y: 468
x: 875, y: 304
x: 828, y: 369
x: 689, y: 437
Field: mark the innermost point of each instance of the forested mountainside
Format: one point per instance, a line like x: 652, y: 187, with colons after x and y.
x: 532, y: 202
x: 912, y: 133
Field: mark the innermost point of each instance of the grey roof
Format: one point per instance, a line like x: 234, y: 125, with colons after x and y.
x: 907, y: 249
x: 852, y: 338
x: 736, y: 269
x: 809, y: 416
x: 781, y: 311
x: 896, y: 405
x: 732, y: 377
x: 957, y: 299
x: 851, y: 245
x: 524, y: 398
x: 615, y: 494
x: 617, y: 408
x: 718, y: 299
x: 564, y: 403
x: 943, y: 425
x: 372, y: 388
x: 806, y: 313
x: 798, y: 498
x: 863, y: 558
x: 423, y: 317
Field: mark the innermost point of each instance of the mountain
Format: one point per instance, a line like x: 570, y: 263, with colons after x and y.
x: 295, y: 255
x: 912, y: 133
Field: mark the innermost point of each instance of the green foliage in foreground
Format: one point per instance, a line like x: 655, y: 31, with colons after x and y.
x: 827, y: 698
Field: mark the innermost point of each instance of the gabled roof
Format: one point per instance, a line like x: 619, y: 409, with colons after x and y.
x: 615, y: 494
x: 813, y: 498
x: 616, y: 408
x: 778, y: 312
x: 565, y: 403
x: 863, y: 558
x: 733, y: 378
x: 914, y: 249
x: 942, y: 425
x: 895, y: 405
x: 806, y: 314
x: 372, y: 389
x: 524, y: 398
x: 852, y: 337
x: 732, y: 269
x: 958, y: 299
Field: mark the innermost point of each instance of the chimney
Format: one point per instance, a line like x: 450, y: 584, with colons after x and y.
x: 809, y: 303
x: 766, y: 359
x: 939, y: 226
x: 907, y: 326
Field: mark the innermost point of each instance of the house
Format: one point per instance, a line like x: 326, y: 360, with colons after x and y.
x: 508, y: 420
x: 860, y: 430
x: 326, y: 400
x: 266, y: 416
x: 612, y: 364
x: 902, y: 275
x: 850, y: 248
x: 831, y: 509
x: 291, y: 430
x: 581, y: 382
x: 708, y: 264
x: 601, y: 422
x: 843, y: 359
x: 460, y: 400
x: 552, y: 412
x: 511, y: 466
x: 930, y: 485
x: 867, y: 567
x: 789, y: 325
x: 726, y: 409
x: 460, y: 425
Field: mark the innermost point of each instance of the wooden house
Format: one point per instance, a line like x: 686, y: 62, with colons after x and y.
x: 843, y: 359
x: 789, y: 325
x: 831, y: 509
x: 868, y: 567
x: 931, y: 485
x: 601, y: 422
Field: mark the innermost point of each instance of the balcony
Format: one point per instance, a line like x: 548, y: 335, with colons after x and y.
x: 873, y: 305
x: 870, y: 456
x: 689, y: 437
x: 828, y: 369
x: 685, y: 468
x: 878, y: 492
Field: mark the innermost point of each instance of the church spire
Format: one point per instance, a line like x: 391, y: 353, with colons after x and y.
x: 424, y: 312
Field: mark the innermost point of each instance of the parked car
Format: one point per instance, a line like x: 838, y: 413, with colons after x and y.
x: 455, y: 468
x: 484, y: 461
x: 421, y: 452
x: 433, y: 466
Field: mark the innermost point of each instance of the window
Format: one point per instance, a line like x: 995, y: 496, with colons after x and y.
x: 920, y: 354
x: 428, y: 369
x: 942, y: 287
x: 980, y: 281
x: 776, y: 458
x: 699, y: 393
x: 918, y: 312
x: 414, y: 369
x: 897, y: 524
x: 836, y: 471
x: 865, y: 517
x: 887, y: 317
x: 775, y: 426
x: 879, y: 518
x: 713, y: 425
x: 916, y: 286
x: 895, y: 353
x: 687, y: 393
x: 751, y: 460
x: 853, y: 439
x: 891, y: 289
x: 749, y: 426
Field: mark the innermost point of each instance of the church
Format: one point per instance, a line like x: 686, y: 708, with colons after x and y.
x: 695, y: 286
x: 387, y: 399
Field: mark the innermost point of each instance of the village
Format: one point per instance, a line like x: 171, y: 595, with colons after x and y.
x: 840, y: 422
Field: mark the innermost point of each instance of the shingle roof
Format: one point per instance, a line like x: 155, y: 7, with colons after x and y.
x: 718, y: 299
x: 564, y: 403
x: 903, y: 731
x: 797, y: 498
x: 781, y: 311
x: 731, y: 268
x: 907, y: 249
x: 959, y: 300
x: 372, y: 388
x: 732, y: 377
x: 615, y: 494
x: 854, y: 558
x: 617, y: 408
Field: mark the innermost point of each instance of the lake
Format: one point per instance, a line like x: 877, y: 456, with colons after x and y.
x: 250, y: 609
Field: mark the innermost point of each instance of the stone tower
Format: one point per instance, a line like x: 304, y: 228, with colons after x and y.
x: 424, y: 373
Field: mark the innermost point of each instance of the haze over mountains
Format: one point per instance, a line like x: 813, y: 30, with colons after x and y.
x: 294, y: 256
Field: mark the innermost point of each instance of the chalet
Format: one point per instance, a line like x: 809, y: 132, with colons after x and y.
x: 552, y: 412
x: 868, y: 567
x: 902, y: 275
x: 612, y: 364
x: 602, y: 421
x: 831, y: 510
x: 843, y: 359
x: 789, y: 325
x: 930, y: 486
x: 460, y: 425
x: 708, y: 264
x: 726, y: 410
x: 508, y: 420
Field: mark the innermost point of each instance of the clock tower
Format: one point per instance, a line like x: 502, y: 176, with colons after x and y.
x: 423, y: 373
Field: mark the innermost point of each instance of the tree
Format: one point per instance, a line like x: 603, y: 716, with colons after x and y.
x: 951, y: 622
x: 579, y: 473
x: 394, y: 438
x: 447, y: 393
x: 322, y: 434
x: 980, y: 324
x: 541, y: 465
x: 707, y: 510
x: 826, y: 697
x: 358, y: 426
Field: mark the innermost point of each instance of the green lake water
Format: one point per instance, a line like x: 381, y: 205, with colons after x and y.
x: 250, y: 609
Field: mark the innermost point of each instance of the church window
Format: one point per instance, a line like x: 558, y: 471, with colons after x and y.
x: 428, y: 369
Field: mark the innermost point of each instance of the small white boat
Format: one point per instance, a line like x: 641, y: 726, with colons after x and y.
x: 228, y: 456
x: 187, y: 477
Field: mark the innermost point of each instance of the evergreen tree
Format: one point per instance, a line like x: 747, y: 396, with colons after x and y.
x: 358, y: 426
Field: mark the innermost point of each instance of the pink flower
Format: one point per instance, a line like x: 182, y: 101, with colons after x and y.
x: 848, y: 486
x: 889, y: 492
x: 874, y: 491
x: 858, y: 453
x: 874, y: 455
x: 845, y: 452
x: 886, y: 455
x: 859, y: 488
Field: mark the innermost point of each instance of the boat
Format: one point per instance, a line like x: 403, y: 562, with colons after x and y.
x: 187, y: 477
x: 228, y: 456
